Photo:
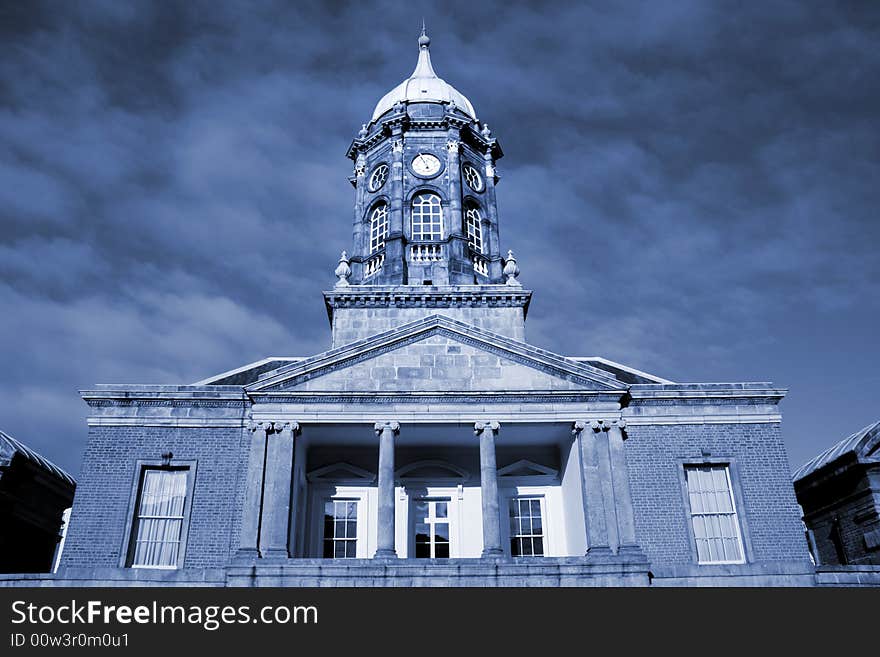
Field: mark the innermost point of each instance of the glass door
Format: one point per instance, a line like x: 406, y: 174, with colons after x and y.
x: 431, y: 528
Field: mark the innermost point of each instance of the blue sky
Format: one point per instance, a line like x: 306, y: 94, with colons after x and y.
x: 691, y: 188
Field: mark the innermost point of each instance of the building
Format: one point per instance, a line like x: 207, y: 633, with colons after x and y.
x: 34, y: 494
x: 432, y: 444
x: 839, y: 491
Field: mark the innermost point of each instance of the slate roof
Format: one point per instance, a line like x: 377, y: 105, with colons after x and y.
x: 861, y: 444
x: 10, y: 446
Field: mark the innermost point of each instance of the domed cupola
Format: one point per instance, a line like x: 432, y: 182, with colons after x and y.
x: 424, y: 86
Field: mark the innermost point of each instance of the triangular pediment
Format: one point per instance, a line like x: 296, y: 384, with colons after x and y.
x: 526, y: 468
x: 436, y: 354
x: 341, y: 473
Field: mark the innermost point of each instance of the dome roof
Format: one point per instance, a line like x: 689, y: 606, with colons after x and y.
x: 423, y: 86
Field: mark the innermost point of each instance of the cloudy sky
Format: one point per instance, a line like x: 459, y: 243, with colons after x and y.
x: 691, y: 188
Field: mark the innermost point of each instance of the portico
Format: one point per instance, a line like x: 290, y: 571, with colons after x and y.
x: 436, y: 490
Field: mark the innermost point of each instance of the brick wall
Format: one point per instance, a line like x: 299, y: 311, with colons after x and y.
x: 97, y: 530
x: 771, y: 517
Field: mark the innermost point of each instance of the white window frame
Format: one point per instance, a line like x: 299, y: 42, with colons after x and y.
x: 336, y: 501
x: 542, y: 506
x: 412, y: 491
x: 132, y: 526
x: 475, y: 180
x: 734, y: 513
x: 432, y: 522
x: 319, y: 494
x: 473, y: 221
x: 383, y: 167
x: 554, y: 538
x: 426, y: 210
x: 378, y: 226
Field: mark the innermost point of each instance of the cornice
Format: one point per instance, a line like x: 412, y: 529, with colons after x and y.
x: 470, y: 397
x: 710, y: 394
x: 169, y: 396
x: 371, y: 296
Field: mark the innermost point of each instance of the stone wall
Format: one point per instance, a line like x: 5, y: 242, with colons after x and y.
x: 97, y: 532
x: 437, y: 363
x: 352, y: 324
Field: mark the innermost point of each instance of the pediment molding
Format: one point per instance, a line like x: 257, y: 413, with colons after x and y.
x: 341, y: 473
x: 426, y: 471
x: 525, y: 469
x: 502, y: 346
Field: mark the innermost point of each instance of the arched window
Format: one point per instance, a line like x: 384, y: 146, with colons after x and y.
x: 473, y: 224
x: 427, y: 218
x: 378, y: 226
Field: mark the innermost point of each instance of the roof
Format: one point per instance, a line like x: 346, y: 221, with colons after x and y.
x: 863, y: 444
x: 11, y: 446
x: 424, y: 86
x: 241, y: 376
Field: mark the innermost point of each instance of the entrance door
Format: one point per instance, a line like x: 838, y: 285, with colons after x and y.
x: 431, y: 528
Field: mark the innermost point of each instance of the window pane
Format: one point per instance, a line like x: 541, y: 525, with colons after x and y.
x: 427, y: 217
x: 440, y: 509
x: 423, y: 551
x: 441, y: 551
x: 714, y: 521
x: 159, y: 520
x: 340, y: 529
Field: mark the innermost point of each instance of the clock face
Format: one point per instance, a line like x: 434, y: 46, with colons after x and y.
x: 425, y: 164
x: 473, y: 178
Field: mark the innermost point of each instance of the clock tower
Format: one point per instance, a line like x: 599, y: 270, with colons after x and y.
x: 425, y: 236
x: 424, y: 181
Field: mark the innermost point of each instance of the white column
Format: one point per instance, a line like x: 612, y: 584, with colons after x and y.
x: 385, y: 530
x: 489, y: 488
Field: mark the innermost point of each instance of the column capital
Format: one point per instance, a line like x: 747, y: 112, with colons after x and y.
x: 480, y: 427
x: 259, y: 426
x: 392, y: 425
x: 600, y: 425
x: 292, y: 426
x: 578, y: 425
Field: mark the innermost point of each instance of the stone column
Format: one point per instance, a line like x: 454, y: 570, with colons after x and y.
x: 626, y: 524
x: 603, y: 462
x: 249, y: 539
x: 275, y: 526
x: 385, y: 543
x: 394, y: 269
x: 489, y: 488
x: 594, y: 497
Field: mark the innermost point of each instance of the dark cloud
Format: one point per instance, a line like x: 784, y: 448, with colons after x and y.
x: 690, y: 187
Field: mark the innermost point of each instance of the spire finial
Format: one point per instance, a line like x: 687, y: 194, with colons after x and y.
x: 424, y: 39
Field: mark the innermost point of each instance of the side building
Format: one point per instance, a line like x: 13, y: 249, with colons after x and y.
x: 839, y: 492
x: 34, y: 494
